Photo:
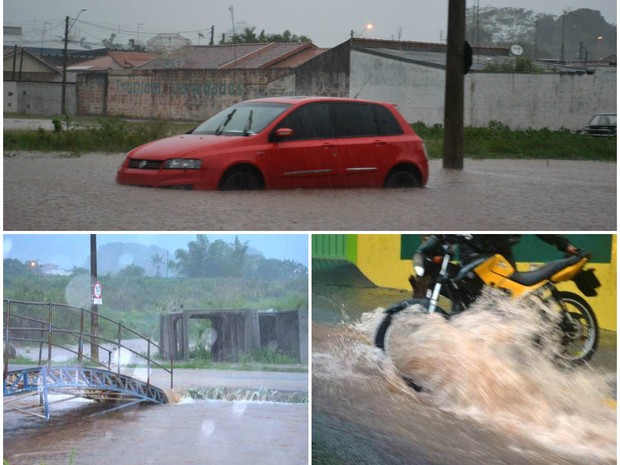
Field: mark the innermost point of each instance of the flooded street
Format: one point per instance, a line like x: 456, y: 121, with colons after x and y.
x: 189, y: 432
x: 55, y: 192
x: 491, y: 398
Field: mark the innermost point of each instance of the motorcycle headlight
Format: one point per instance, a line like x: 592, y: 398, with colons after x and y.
x: 418, y: 265
x: 182, y: 164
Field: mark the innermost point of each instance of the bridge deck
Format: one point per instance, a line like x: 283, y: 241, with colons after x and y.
x: 91, y: 383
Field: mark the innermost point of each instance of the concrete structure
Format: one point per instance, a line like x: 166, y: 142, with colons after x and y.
x: 194, y: 83
x: 236, y: 332
x: 413, y: 75
x: 21, y: 64
x: 37, y: 98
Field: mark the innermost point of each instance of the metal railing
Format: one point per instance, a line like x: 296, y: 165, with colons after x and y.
x: 24, y: 323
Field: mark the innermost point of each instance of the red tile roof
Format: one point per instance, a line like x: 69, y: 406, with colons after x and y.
x: 240, y: 56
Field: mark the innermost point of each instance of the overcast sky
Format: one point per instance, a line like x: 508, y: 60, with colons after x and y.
x: 69, y: 250
x: 326, y: 22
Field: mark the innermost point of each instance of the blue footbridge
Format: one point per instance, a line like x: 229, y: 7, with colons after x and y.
x: 77, y: 353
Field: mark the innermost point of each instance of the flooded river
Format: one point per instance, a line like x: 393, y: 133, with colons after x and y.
x: 242, y: 430
x: 491, y: 398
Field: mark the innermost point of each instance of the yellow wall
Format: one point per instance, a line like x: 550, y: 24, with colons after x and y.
x: 378, y: 257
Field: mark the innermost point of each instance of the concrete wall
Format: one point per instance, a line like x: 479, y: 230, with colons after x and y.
x: 520, y: 101
x: 326, y: 75
x: 177, y: 94
x: 237, y: 332
x: 37, y: 98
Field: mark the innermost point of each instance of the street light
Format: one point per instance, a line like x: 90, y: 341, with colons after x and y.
x: 566, y: 13
x: 598, y: 40
x: 367, y: 27
x: 63, y: 103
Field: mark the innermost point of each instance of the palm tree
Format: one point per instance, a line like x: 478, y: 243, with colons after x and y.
x: 157, y: 261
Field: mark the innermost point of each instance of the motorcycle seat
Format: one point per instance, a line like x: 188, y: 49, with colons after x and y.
x: 546, y: 271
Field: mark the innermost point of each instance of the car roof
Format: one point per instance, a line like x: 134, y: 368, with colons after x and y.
x: 294, y: 100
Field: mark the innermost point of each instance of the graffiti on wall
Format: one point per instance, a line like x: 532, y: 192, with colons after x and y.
x: 177, y: 89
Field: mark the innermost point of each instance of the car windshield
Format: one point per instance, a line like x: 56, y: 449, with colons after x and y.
x: 603, y: 120
x: 243, y: 119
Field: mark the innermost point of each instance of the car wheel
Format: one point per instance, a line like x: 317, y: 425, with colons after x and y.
x: 401, y: 177
x: 241, y: 179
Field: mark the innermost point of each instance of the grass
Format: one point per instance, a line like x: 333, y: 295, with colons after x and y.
x: 82, y: 135
x: 499, y: 141
x: 72, y: 458
x: 85, y: 135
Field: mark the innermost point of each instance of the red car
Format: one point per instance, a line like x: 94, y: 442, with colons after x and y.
x: 286, y: 142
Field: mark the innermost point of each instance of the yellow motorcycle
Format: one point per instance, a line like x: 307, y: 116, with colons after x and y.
x: 437, y: 275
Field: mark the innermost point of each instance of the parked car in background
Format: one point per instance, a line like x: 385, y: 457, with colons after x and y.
x: 287, y: 142
x: 601, y: 124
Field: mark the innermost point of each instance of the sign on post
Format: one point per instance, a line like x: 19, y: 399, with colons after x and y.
x: 96, y: 294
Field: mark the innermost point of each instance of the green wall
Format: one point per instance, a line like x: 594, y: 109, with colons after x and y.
x: 532, y: 249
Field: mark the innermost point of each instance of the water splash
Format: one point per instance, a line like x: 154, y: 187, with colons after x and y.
x: 246, y: 395
x: 493, y: 364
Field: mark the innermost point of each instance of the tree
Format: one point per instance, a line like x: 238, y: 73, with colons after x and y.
x: 157, y: 261
x: 13, y: 267
x: 584, y: 31
x: 249, y: 36
x: 211, y: 259
x: 192, y: 262
x: 131, y: 272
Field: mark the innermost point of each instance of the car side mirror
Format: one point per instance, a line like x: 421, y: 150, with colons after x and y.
x: 284, y: 133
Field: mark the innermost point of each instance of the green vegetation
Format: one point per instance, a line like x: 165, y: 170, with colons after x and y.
x: 72, y: 458
x: 207, y: 280
x: 517, y: 65
x: 495, y: 141
x: 86, y: 135
x: 499, y: 141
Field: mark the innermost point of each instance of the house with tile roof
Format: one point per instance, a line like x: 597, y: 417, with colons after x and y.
x: 114, y: 59
x: 237, y: 56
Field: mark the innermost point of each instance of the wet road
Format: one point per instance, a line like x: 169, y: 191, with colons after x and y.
x: 185, y: 433
x: 364, y: 414
x: 53, y: 192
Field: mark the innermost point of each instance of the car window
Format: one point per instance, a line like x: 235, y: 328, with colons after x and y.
x: 388, y: 125
x: 311, y: 121
x: 243, y: 119
x: 603, y: 120
x: 354, y: 119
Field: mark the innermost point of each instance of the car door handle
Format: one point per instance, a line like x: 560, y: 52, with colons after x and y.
x: 380, y: 142
x: 331, y: 147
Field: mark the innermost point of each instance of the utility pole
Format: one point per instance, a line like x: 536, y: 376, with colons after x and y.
x: 65, y: 57
x: 455, y: 87
x: 212, y: 34
x: 94, y: 316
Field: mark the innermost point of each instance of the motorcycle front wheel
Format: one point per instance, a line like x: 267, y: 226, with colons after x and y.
x: 579, y: 328
x: 382, y: 334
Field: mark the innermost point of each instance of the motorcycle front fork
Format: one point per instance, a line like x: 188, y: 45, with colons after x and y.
x: 443, y: 273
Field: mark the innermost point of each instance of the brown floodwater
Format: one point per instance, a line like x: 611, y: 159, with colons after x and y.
x: 492, y: 396
x: 238, y: 431
x: 60, y: 192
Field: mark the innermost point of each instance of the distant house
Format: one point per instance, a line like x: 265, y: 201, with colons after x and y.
x: 20, y: 64
x: 237, y: 56
x: 114, y: 59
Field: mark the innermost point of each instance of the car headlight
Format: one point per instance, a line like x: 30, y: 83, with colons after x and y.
x: 182, y: 164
